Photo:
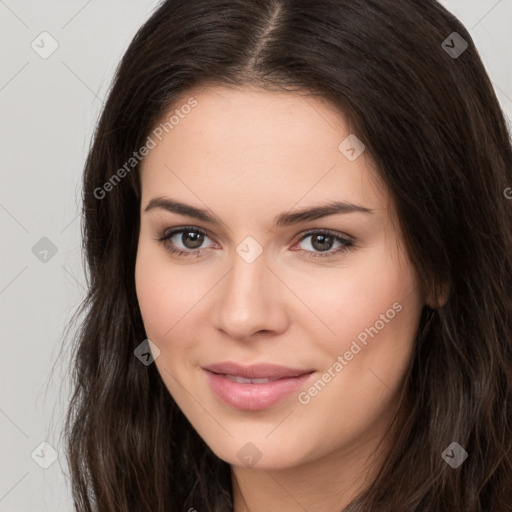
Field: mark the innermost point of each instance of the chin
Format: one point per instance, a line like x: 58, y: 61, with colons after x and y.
x: 259, y: 455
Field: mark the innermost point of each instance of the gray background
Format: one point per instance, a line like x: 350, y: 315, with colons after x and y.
x: 48, y: 110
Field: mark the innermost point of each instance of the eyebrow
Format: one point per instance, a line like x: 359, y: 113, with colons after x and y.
x: 284, y: 219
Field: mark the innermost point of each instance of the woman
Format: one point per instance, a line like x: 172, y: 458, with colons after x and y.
x: 300, y: 252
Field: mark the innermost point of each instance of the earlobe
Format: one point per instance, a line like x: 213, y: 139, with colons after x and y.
x: 439, y: 296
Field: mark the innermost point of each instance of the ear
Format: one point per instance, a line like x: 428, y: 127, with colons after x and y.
x: 439, y: 297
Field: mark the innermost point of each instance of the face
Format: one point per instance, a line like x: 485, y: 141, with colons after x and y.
x: 331, y: 296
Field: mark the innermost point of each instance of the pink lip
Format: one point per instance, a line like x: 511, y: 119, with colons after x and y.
x: 254, y: 397
x: 256, y: 371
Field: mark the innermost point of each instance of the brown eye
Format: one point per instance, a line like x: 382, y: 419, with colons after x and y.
x: 184, y: 241
x: 192, y: 239
x: 323, y: 241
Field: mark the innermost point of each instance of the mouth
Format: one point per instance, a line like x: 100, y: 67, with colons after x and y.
x: 244, y: 380
x: 256, y: 371
x: 255, y: 387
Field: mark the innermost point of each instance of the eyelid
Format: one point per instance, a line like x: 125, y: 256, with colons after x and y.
x: 167, y: 234
x: 331, y: 232
x: 347, y: 243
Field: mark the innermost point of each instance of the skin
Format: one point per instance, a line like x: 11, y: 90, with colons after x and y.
x: 247, y: 155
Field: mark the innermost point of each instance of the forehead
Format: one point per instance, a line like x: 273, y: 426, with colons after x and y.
x: 258, y: 147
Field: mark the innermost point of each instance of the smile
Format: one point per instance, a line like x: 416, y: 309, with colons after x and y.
x: 253, y: 394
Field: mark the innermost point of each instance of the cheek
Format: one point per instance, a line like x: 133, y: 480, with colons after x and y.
x: 167, y: 307
x: 152, y: 295
x: 373, y: 315
x: 161, y: 292
x: 166, y: 292
x: 366, y: 363
x: 366, y: 294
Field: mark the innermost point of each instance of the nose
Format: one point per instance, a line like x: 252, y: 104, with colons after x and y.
x: 250, y: 300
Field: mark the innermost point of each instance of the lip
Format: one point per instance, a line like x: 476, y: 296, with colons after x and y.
x: 256, y: 371
x: 254, y: 397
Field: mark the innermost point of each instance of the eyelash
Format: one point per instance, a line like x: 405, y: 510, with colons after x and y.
x: 346, y: 244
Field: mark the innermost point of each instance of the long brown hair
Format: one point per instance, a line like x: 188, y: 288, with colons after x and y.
x: 428, y: 115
